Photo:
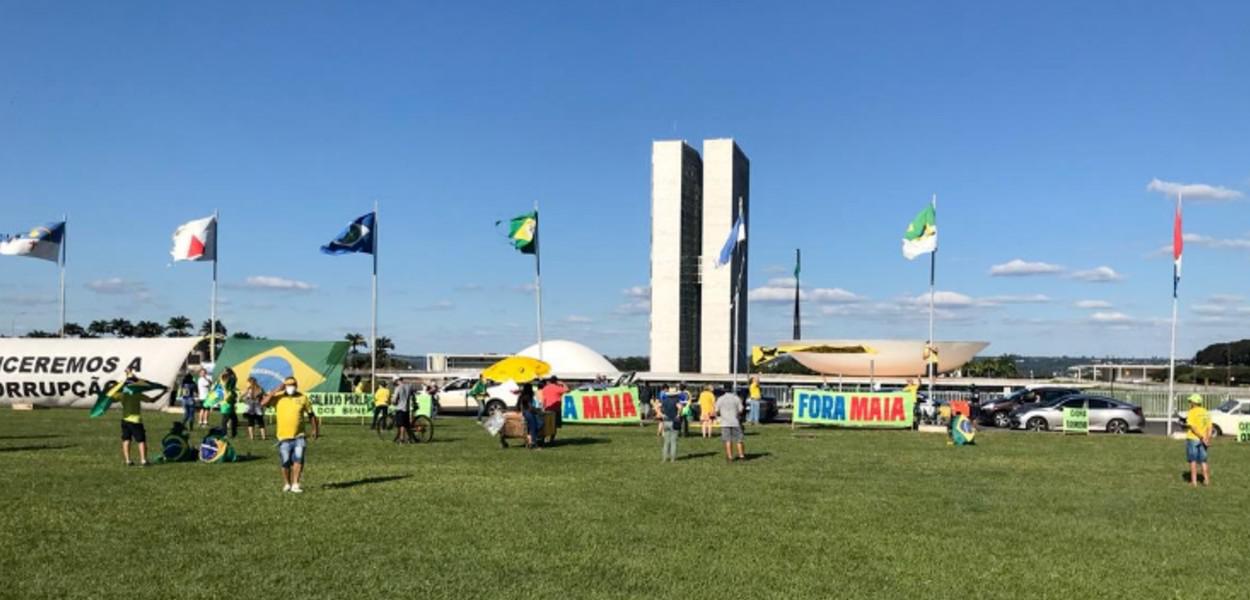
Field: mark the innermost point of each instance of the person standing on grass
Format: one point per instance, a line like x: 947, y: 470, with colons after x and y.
x: 203, y: 385
x: 707, y: 411
x: 290, y: 410
x: 186, y: 394
x: 255, y: 413
x: 381, y: 400
x: 229, y: 400
x: 728, y: 409
x: 753, y: 400
x: 401, y: 402
x: 533, y: 423
x: 1197, y: 440
x: 132, y: 425
x: 553, y: 400
x: 479, y: 394
x: 671, y: 406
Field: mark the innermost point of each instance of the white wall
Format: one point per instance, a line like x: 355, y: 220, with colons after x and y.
x: 666, y: 159
x: 720, y: 208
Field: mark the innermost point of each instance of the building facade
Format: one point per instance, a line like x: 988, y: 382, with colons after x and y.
x: 694, y: 203
x: 676, y: 239
x: 726, y: 196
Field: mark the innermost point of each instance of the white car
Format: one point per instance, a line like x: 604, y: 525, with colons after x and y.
x: 455, y: 396
x: 1225, y: 418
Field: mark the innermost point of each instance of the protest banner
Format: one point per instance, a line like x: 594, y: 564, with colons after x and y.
x: 854, y: 409
x: 1243, y: 431
x: 609, y: 406
x: 72, y: 372
x: 336, y: 405
x: 1075, y: 420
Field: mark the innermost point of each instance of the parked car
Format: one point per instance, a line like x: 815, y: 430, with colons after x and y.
x: 1105, y: 414
x: 1225, y: 418
x: 454, y: 396
x: 997, y: 412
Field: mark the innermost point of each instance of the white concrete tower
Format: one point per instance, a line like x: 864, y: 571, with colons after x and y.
x: 676, y: 241
x: 726, y: 190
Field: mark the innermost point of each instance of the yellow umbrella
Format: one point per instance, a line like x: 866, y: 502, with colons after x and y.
x: 517, y: 368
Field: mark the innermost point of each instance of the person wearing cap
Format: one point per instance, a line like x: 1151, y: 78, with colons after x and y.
x: 1197, y: 440
x: 132, y: 424
x: 290, y: 409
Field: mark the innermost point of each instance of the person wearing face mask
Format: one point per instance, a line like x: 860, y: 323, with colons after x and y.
x: 290, y: 409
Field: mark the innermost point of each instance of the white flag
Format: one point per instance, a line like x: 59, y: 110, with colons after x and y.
x: 196, y: 240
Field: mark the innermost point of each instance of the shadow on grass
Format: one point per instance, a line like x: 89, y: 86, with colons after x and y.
x: 245, y: 457
x: 342, y: 485
x: 1185, y: 476
x: 697, y: 455
x: 42, y: 436
x: 750, y: 456
x: 577, y: 441
x: 35, y: 448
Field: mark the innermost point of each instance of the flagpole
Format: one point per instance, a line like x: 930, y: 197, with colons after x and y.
x: 373, y: 318
x: 797, y: 328
x: 212, y: 310
x: 737, y: 285
x: 1172, y: 353
x: 929, y: 364
x: 64, y: 251
x: 538, y: 280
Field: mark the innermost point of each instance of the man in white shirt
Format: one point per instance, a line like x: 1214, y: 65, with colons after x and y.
x: 203, y: 385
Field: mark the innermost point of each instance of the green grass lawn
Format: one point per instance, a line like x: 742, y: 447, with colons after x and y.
x: 814, y: 514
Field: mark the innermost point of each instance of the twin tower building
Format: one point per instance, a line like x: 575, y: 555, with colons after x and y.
x: 695, y: 200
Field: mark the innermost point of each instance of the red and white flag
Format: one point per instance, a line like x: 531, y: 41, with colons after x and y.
x: 196, y: 240
x: 1178, y: 248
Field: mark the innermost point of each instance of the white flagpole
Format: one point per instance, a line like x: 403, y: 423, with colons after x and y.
x: 735, y: 286
x: 64, y: 243
x: 1172, y: 353
x: 373, y: 319
x: 212, y: 311
x: 931, y: 367
x: 538, y: 279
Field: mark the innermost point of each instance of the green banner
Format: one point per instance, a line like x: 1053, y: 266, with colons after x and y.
x: 1243, y: 431
x: 854, y: 409
x: 613, y: 405
x: 331, y: 406
x: 1075, y: 420
x: 317, y: 366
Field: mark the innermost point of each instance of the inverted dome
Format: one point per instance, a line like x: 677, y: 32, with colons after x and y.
x: 891, y: 358
x: 566, y: 357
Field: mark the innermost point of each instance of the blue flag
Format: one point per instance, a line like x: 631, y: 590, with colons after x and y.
x: 41, y: 242
x: 357, y: 237
x: 737, y: 234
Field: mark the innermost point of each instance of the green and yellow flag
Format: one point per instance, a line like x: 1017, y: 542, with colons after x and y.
x: 921, y: 235
x: 523, y: 231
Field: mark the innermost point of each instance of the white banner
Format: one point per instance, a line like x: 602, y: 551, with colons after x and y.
x: 71, y: 372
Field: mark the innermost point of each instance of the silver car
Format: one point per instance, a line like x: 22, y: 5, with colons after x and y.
x: 1105, y: 414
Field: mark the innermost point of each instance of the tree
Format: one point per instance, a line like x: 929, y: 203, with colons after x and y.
x: 121, y: 328
x: 75, y: 330
x: 357, y: 341
x: 148, y: 329
x: 179, y: 326
x: 1224, y: 354
x: 631, y: 363
x: 242, y: 335
x: 207, y: 328
x: 98, y: 328
x: 39, y: 333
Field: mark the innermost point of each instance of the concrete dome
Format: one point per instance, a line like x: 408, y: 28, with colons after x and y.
x: 569, y: 358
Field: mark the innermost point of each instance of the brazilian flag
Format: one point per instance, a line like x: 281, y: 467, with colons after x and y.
x: 523, y: 232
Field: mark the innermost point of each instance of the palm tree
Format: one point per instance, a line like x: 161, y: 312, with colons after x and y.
x: 242, y: 335
x: 148, y: 329
x: 206, y: 328
x: 122, y: 328
x: 357, y: 341
x: 383, y: 346
x: 39, y: 333
x: 75, y: 330
x: 179, y: 326
x: 98, y: 328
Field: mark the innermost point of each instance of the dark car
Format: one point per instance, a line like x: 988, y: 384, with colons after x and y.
x: 998, y: 412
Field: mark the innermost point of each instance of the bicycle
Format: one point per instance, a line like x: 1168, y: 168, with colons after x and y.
x: 422, y: 428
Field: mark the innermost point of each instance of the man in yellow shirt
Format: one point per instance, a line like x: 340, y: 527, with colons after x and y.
x: 290, y: 408
x: 753, y: 400
x: 1197, y: 440
x: 381, y: 401
x: 132, y: 428
x: 707, y: 411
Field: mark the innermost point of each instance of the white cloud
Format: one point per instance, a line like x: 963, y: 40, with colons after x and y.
x: 1111, y: 317
x: 1192, y: 191
x: 944, y: 299
x: 637, y: 301
x: 1023, y: 268
x: 1093, y: 304
x: 1214, y: 242
x: 279, y: 284
x: 524, y: 288
x: 1017, y: 299
x: 1098, y: 274
x: 116, y: 286
x: 781, y: 290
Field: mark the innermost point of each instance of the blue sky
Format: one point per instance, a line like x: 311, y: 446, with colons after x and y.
x: 1039, y: 127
